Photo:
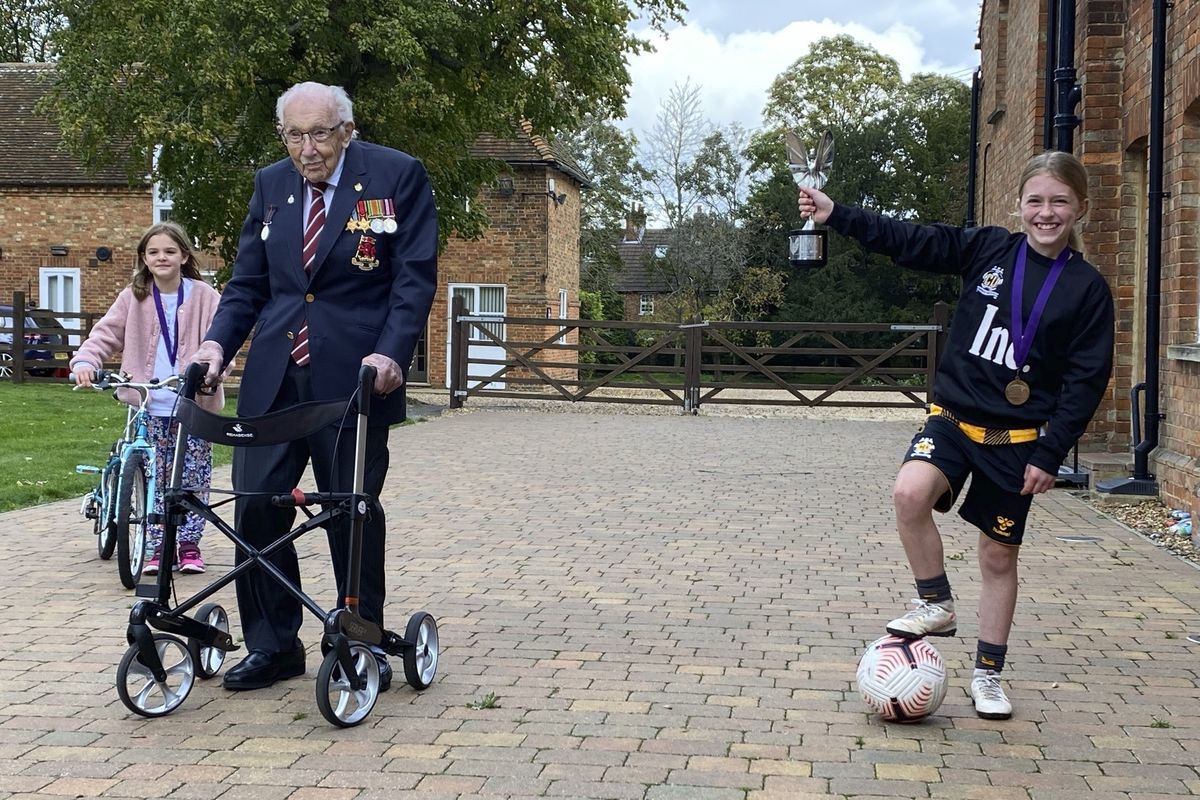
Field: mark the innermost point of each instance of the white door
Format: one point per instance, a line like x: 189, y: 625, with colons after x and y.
x: 58, y: 290
x: 483, y: 301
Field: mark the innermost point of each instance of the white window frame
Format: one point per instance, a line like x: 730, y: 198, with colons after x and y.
x: 645, y: 304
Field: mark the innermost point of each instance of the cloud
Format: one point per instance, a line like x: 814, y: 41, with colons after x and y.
x: 735, y: 71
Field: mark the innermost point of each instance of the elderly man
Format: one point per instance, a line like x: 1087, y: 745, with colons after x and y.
x: 336, y: 266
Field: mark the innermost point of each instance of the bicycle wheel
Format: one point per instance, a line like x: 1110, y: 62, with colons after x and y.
x: 106, y: 534
x: 131, y: 525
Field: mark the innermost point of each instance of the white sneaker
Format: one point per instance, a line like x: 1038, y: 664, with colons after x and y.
x: 989, y: 697
x: 925, y: 619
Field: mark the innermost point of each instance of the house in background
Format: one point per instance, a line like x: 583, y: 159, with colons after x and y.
x: 1113, y: 43
x: 641, y: 288
x: 68, y: 239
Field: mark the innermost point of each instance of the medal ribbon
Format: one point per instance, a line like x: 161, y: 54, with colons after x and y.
x: 172, y: 342
x: 1022, y: 335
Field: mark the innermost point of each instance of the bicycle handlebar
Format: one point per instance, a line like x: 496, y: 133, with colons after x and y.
x: 107, y: 379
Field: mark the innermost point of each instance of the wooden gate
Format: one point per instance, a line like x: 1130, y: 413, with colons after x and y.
x: 686, y: 365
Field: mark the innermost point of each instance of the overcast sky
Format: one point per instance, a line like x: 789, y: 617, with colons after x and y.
x: 734, y: 49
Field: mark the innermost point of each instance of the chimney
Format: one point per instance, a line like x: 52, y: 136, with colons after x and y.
x: 635, y: 223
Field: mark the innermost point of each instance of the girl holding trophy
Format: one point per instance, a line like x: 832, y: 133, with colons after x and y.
x: 1026, y: 362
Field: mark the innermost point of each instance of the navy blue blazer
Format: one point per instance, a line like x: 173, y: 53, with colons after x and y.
x: 369, y: 291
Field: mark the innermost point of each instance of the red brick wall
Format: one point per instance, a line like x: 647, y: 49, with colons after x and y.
x: 83, y: 219
x: 531, y: 246
x: 1113, y: 45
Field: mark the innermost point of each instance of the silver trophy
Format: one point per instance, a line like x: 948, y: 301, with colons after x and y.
x: 807, y: 245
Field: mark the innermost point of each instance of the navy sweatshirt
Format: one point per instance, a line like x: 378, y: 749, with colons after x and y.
x: 1070, y: 360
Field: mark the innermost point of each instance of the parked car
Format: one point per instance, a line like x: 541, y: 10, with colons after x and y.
x: 41, y: 321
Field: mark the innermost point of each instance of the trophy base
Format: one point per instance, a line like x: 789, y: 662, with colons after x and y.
x: 807, y: 247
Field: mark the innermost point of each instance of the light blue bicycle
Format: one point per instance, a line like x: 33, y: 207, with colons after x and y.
x: 121, y: 503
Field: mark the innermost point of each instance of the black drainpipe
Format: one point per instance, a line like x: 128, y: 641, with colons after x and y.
x: 1143, y: 481
x: 1051, y: 63
x: 973, y: 149
x: 1068, y: 92
x: 1158, y: 69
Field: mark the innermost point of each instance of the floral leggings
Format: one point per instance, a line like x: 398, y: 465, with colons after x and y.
x: 197, y: 471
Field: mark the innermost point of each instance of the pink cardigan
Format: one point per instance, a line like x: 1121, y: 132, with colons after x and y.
x: 130, y: 327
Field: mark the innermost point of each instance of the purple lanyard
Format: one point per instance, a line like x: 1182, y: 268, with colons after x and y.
x: 172, y: 342
x: 1022, y: 335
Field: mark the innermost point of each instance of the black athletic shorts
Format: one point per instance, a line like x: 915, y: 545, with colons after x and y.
x: 994, y: 502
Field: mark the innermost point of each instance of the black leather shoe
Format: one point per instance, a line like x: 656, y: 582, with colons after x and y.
x: 385, y: 674
x: 260, y: 669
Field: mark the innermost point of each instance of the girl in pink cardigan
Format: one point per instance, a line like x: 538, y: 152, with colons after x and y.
x: 156, y: 323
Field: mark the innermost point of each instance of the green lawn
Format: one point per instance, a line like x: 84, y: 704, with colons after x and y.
x: 45, y: 430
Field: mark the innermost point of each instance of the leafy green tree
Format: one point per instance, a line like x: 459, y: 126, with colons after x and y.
x: 28, y: 30
x: 607, y: 155
x: 901, y: 150
x: 200, y: 78
x: 839, y: 84
x: 705, y: 253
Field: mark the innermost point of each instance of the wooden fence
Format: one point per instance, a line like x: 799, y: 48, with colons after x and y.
x: 686, y: 365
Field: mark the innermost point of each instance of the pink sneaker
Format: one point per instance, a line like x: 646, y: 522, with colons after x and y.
x: 190, y: 560
x: 151, y: 566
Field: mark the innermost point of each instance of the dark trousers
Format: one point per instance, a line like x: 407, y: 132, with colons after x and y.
x: 270, y: 616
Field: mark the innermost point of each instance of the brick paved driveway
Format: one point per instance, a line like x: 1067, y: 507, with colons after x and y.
x: 665, y: 607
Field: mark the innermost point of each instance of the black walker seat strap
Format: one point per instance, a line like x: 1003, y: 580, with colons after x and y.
x: 277, y: 427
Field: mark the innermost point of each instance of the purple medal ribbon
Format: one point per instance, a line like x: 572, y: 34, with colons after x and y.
x: 172, y: 343
x: 1022, y: 335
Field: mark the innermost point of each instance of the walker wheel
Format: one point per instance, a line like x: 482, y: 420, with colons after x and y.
x: 144, y: 695
x: 421, y: 660
x: 209, y: 659
x: 339, y: 703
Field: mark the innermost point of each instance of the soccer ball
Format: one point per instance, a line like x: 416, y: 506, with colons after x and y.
x: 903, y: 680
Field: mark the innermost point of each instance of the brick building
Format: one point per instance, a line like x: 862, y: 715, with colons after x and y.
x: 57, y: 222
x: 1112, y: 56
x: 642, y: 290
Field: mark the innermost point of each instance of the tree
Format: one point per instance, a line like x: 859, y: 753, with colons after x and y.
x: 717, y: 174
x: 704, y: 253
x: 679, y: 133
x: 606, y: 155
x: 200, y: 78
x: 901, y: 150
x: 29, y: 28
x: 839, y: 84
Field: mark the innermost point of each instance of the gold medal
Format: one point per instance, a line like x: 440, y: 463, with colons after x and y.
x: 1016, y: 392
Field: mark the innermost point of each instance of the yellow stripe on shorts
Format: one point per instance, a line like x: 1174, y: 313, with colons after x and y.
x: 982, y: 435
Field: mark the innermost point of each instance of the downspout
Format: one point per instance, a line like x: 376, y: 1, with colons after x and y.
x: 1062, y: 96
x: 1068, y: 92
x: 1051, y: 62
x: 1143, y: 481
x: 973, y: 149
x: 1151, y: 416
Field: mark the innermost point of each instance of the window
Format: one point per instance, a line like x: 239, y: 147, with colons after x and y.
x: 483, y: 301
x: 163, y: 202
x: 660, y: 251
x: 563, y: 307
x: 646, y: 304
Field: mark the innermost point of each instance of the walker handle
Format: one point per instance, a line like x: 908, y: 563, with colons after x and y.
x: 193, y: 379
x: 366, y: 387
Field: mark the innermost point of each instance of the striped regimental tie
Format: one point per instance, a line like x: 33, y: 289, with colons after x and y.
x: 312, y: 237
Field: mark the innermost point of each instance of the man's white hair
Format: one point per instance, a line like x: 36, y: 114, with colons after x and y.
x: 334, y: 94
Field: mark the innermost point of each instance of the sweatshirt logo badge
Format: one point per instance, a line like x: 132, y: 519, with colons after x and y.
x: 991, y: 281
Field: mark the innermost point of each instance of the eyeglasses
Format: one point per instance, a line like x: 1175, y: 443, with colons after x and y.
x: 316, y: 135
